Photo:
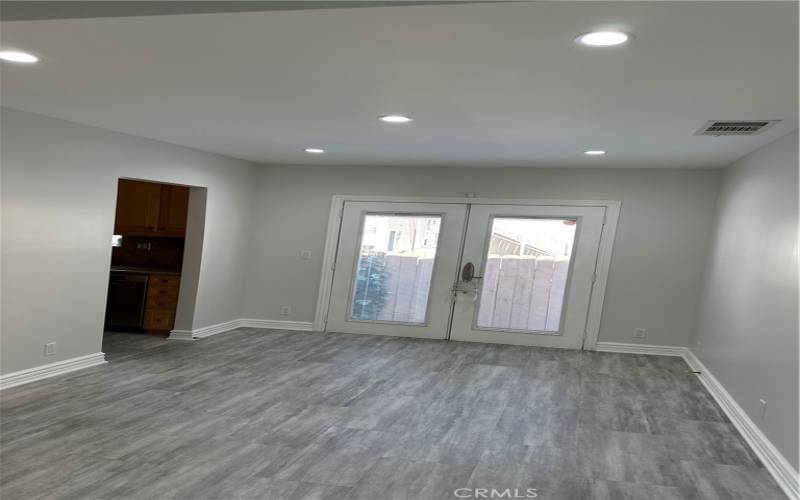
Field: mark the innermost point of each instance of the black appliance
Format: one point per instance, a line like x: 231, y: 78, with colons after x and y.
x: 127, y: 293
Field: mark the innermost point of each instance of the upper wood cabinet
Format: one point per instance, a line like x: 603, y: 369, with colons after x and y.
x: 173, y: 211
x: 138, y: 205
x: 151, y: 209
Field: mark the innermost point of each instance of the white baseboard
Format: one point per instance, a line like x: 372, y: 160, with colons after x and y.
x: 780, y: 468
x: 207, y: 331
x: 180, y: 335
x: 51, y: 370
x: 656, y: 350
x: 299, y: 326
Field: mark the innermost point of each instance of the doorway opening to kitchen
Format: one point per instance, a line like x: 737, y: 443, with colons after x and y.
x: 155, y: 263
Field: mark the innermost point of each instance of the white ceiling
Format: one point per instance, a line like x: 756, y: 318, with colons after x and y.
x: 487, y: 84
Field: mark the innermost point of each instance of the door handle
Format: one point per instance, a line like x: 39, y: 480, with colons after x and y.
x: 468, y: 273
x: 466, y: 285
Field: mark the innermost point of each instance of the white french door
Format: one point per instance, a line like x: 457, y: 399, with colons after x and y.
x: 511, y: 274
x: 395, y: 266
x: 535, y: 269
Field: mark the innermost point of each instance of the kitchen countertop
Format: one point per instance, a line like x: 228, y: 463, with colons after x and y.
x: 145, y: 270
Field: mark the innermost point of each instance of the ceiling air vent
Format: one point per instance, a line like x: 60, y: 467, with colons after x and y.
x: 731, y: 127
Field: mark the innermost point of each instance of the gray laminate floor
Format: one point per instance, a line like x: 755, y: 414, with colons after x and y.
x: 286, y: 415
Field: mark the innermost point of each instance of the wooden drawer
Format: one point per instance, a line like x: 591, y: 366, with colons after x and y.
x: 159, y: 320
x: 162, y: 294
x: 162, y: 302
x: 163, y: 288
x: 163, y: 281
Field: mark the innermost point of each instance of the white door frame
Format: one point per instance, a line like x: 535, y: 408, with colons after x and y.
x: 601, y: 269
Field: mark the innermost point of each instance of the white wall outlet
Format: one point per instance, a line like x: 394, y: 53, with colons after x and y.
x: 50, y: 349
x: 763, y: 408
x: 305, y: 254
x: 286, y: 310
x: 639, y: 333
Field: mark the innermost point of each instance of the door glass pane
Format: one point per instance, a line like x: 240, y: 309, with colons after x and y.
x: 394, y: 268
x: 525, y: 276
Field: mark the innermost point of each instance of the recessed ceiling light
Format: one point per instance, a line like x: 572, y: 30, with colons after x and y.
x: 17, y: 56
x: 395, y: 119
x: 314, y: 151
x: 594, y: 152
x: 603, y: 38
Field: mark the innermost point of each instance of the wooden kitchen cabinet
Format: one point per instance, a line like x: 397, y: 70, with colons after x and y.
x: 151, y: 209
x: 174, y: 209
x: 138, y: 205
x: 162, y: 300
x: 159, y: 321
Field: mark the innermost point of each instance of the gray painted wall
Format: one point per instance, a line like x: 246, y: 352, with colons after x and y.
x: 59, y: 183
x: 747, y: 328
x: 654, y: 280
